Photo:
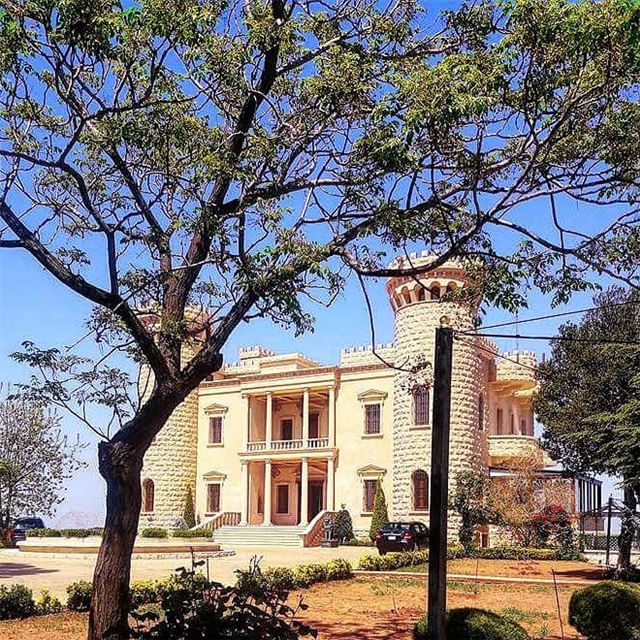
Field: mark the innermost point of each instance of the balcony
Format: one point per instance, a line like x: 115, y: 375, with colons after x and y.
x: 287, y: 445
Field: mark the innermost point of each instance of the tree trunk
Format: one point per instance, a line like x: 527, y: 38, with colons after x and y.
x: 120, y: 466
x: 627, y: 529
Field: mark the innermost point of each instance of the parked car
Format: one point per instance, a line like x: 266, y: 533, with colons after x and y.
x: 18, y: 531
x: 402, y: 536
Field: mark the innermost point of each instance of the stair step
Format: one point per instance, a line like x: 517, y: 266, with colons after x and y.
x: 257, y: 535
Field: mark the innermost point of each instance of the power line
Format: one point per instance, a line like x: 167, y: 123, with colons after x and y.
x: 556, y: 315
x: 518, y: 336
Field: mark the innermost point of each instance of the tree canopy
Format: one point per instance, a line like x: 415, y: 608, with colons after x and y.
x: 36, y: 459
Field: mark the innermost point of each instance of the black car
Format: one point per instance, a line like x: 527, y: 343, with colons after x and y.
x: 402, y: 536
x: 18, y: 531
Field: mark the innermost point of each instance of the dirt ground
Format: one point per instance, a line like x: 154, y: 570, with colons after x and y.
x: 367, y: 609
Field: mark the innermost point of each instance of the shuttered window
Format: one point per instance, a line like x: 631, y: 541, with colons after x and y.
x: 148, y: 496
x: 282, y: 498
x: 215, y: 430
x: 420, y: 490
x: 369, y: 494
x: 421, y: 405
x: 372, y: 418
x: 213, y: 498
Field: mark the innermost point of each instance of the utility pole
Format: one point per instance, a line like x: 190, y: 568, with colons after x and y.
x: 437, y: 594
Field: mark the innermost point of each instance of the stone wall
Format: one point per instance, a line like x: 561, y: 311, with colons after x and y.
x: 415, y: 326
x: 171, y: 459
x: 364, y: 355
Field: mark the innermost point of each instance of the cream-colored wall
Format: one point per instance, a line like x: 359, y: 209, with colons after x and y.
x: 221, y: 458
x: 356, y: 449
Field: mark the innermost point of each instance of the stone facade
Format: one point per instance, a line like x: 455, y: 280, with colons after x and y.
x: 274, y: 439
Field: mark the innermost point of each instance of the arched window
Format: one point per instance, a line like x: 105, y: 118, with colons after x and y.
x: 422, y: 296
x: 435, y: 291
x: 481, y: 412
x: 420, y: 490
x: 421, y: 405
x: 406, y: 295
x: 148, y: 495
x: 451, y: 287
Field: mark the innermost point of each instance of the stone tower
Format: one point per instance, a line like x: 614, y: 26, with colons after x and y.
x: 418, y: 307
x: 170, y: 461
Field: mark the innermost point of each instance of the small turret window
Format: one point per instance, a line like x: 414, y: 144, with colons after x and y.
x: 421, y: 405
x: 435, y: 292
x: 420, y: 490
x: 481, y: 412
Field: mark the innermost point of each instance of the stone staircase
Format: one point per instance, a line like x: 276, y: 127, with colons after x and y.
x: 229, y: 537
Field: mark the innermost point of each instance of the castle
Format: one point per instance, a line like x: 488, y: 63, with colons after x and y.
x: 274, y: 441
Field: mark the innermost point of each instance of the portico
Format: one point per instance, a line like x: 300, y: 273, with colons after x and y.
x: 285, y: 491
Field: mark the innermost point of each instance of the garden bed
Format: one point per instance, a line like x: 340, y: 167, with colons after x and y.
x: 364, y: 609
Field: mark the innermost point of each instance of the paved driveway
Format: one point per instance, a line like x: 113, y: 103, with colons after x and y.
x: 55, y: 573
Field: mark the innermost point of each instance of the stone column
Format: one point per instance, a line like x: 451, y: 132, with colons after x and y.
x: 305, y: 418
x: 304, y: 492
x: 247, y: 428
x: 267, y: 493
x: 269, y: 420
x: 244, y: 493
x: 332, y: 417
x: 331, y: 501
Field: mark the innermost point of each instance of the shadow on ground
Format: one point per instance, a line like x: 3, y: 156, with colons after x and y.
x: 15, y: 569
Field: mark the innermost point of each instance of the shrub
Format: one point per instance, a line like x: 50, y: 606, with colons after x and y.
x: 307, y: 574
x: 625, y: 574
x: 47, y: 604
x: 64, y: 533
x: 339, y: 569
x: 524, y: 553
x: 189, y: 533
x: 16, y: 601
x: 474, y: 624
x: 79, y: 596
x: 280, y: 579
x: 380, y: 515
x: 189, y: 514
x: 195, y: 607
x: 154, y: 532
x: 606, y: 610
x: 358, y: 542
x: 393, y: 561
x: 343, y: 526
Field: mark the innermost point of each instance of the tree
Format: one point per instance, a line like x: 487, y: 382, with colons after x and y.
x: 36, y: 459
x: 191, y: 165
x: 518, y: 497
x: 189, y: 514
x: 380, y: 515
x: 471, y: 500
x: 589, y: 399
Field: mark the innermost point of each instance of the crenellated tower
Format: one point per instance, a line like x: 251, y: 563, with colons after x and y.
x: 420, y: 304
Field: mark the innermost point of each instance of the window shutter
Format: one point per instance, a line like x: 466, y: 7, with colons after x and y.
x: 213, y: 498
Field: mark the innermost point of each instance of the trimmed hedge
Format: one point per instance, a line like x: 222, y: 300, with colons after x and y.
x: 154, y: 532
x: 358, y: 542
x: 521, y: 553
x: 300, y: 577
x: 474, y: 624
x: 393, y: 561
x: 189, y: 533
x: 64, y: 533
x: 606, y: 611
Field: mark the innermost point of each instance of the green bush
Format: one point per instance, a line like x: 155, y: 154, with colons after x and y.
x: 16, y: 601
x: 64, y: 533
x: 523, y: 553
x: 154, y: 532
x: 474, y: 624
x: 189, y: 514
x: 79, y: 596
x: 307, y: 574
x: 380, y: 515
x: 606, y: 611
x: 358, y: 542
x: 342, y: 528
x: 393, y: 561
x: 189, y: 533
x: 339, y: 569
x: 280, y: 579
x: 47, y: 604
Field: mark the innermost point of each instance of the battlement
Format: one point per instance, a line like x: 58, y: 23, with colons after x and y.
x: 517, y: 365
x: 363, y: 354
x: 254, y: 353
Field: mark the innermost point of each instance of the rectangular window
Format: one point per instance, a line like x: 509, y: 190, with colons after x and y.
x: 372, y: 418
x: 314, y: 425
x: 286, y: 429
x: 282, y: 498
x: 213, y: 498
x: 215, y: 430
x: 512, y: 429
x: 369, y: 494
x: 523, y: 427
x: 499, y: 425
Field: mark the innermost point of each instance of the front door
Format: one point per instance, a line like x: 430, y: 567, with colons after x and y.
x: 316, y: 498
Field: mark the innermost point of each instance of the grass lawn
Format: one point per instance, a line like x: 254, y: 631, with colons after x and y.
x: 366, y: 609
